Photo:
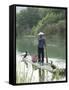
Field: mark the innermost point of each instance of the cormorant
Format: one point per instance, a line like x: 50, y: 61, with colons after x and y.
x: 52, y: 65
x: 25, y: 54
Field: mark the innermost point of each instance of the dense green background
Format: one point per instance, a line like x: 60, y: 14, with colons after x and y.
x: 33, y: 20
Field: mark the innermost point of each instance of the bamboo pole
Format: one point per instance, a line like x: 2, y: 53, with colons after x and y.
x: 46, y: 62
x: 46, y: 54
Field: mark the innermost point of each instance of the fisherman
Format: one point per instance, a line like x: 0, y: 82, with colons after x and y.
x: 41, y: 45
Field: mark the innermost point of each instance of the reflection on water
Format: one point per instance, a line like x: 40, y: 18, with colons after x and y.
x: 28, y: 74
x: 55, y: 51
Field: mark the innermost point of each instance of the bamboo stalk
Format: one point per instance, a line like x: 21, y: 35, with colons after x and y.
x: 46, y: 56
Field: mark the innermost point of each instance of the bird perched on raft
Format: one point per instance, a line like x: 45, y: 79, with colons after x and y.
x: 52, y: 65
x: 34, y: 58
x: 24, y: 55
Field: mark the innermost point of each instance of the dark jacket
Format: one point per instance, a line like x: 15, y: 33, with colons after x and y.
x: 41, y: 42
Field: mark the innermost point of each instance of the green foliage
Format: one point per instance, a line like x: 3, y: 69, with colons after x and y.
x: 51, y: 23
x: 26, y: 19
x: 33, y: 20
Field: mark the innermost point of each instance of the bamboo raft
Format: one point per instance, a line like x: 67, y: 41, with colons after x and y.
x: 45, y: 66
x: 41, y: 69
x: 44, y: 69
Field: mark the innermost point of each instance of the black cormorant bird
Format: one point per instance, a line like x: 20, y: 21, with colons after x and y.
x: 24, y: 56
x: 26, y: 53
x: 52, y: 65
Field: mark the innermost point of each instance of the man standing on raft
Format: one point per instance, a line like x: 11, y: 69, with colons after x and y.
x: 41, y: 45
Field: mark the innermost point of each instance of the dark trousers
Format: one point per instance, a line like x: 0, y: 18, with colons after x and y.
x: 40, y: 54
